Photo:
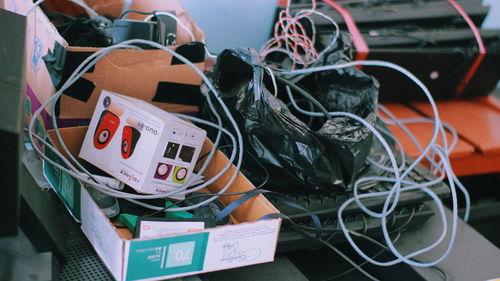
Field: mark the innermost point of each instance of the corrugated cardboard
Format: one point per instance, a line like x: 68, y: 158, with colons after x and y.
x: 134, y: 73
x: 248, y: 241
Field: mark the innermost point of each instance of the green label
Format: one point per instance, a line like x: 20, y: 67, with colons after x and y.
x: 166, y: 256
x: 68, y: 189
x: 63, y: 184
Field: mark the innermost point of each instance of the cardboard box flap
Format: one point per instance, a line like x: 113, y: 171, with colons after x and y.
x: 248, y: 211
x: 73, y: 139
x: 101, y: 233
x: 150, y: 75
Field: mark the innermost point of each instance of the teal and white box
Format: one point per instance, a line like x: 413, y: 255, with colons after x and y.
x: 247, y: 241
x: 161, y: 258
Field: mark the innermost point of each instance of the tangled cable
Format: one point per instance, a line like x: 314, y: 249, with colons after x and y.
x: 441, y: 167
x: 291, y: 38
x: 76, y: 168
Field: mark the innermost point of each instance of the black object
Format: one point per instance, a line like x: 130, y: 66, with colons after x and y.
x: 187, y: 153
x: 192, y: 51
x: 411, y: 211
x: 178, y: 93
x: 81, y: 30
x: 328, y: 205
x: 206, y: 211
x: 402, y: 218
x: 346, y: 90
x: 299, y: 158
x: 12, y: 83
x: 171, y: 150
x: 166, y: 29
x: 162, y: 30
x: 429, y: 13
x: 429, y: 38
x: 54, y: 62
x: 440, y: 69
x: 132, y: 29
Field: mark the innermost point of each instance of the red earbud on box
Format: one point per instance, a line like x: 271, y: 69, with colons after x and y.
x: 130, y: 137
x: 105, y: 129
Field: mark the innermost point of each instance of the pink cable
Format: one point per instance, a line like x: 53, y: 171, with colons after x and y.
x: 480, y: 44
x: 357, y: 38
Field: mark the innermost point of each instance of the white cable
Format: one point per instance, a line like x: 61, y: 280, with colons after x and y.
x: 397, y: 185
x: 88, y: 66
x: 273, y: 79
x: 431, y: 147
x: 335, y: 37
x: 401, y: 153
x: 265, y: 50
x: 181, y: 24
x: 401, y: 123
x: 388, y: 193
x: 90, y: 11
x: 36, y: 4
x: 406, y: 131
x: 412, y: 186
x: 103, y: 52
x: 376, y: 194
x: 88, y: 63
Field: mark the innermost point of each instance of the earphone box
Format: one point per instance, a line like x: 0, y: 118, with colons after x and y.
x: 141, y: 145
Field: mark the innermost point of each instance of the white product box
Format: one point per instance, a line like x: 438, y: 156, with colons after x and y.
x: 141, y: 145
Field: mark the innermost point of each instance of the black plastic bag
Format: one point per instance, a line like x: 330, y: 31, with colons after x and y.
x: 297, y: 158
x: 293, y: 155
x: 347, y: 90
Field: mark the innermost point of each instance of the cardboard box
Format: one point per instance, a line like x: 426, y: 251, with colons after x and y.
x: 150, y: 75
x: 247, y: 241
x: 141, y: 145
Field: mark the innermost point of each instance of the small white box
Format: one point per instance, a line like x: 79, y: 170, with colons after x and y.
x: 141, y: 145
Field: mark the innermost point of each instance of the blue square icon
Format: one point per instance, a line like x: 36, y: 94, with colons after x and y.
x: 180, y: 254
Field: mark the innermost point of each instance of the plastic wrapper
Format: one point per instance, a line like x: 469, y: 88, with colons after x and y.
x: 296, y: 158
x: 352, y: 142
x: 348, y: 90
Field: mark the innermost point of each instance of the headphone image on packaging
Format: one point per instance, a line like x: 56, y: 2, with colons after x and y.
x: 180, y: 174
x: 162, y: 171
x: 130, y: 137
x: 106, y: 129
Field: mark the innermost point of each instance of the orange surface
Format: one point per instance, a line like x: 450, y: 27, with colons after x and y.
x: 423, y: 132
x: 476, y: 164
x: 475, y: 122
x: 490, y: 101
